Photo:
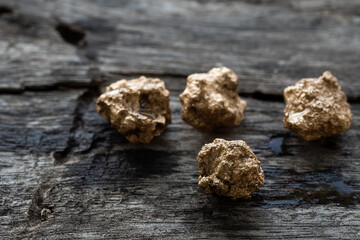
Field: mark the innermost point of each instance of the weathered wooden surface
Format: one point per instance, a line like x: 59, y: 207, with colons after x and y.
x: 66, y: 173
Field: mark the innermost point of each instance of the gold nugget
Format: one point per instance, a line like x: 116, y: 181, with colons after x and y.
x: 229, y: 168
x: 211, y: 100
x: 139, y: 108
x: 316, y: 107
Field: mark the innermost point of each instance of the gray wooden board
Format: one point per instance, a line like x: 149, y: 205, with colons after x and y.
x: 66, y: 173
x: 270, y: 44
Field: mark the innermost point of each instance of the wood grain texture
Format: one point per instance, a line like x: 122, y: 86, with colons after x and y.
x: 270, y: 44
x: 65, y: 173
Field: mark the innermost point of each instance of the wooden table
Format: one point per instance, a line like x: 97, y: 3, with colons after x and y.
x: 65, y: 173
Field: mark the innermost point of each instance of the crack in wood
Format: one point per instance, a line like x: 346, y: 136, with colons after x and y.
x: 71, y: 34
x: 37, y: 206
x: 150, y: 74
x: 5, y: 10
x: 84, y: 101
x: 262, y: 96
x: 78, y: 85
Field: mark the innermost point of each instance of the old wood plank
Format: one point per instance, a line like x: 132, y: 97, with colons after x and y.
x: 270, y: 45
x: 66, y: 173
x: 151, y: 190
x: 33, y: 125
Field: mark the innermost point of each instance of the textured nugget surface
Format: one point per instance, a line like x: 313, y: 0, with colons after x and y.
x: 211, y: 100
x: 316, y: 107
x: 139, y: 108
x: 229, y: 168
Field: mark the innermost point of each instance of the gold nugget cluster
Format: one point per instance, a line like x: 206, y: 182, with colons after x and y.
x: 139, y: 109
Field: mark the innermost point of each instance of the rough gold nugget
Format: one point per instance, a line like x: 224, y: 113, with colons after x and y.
x: 316, y: 107
x: 229, y: 168
x: 211, y: 100
x: 139, y: 108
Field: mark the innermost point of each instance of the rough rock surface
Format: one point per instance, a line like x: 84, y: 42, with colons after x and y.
x: 138, y: 108
x: 229, y: 168
x: 316, y: 107
x: 211, y: 100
